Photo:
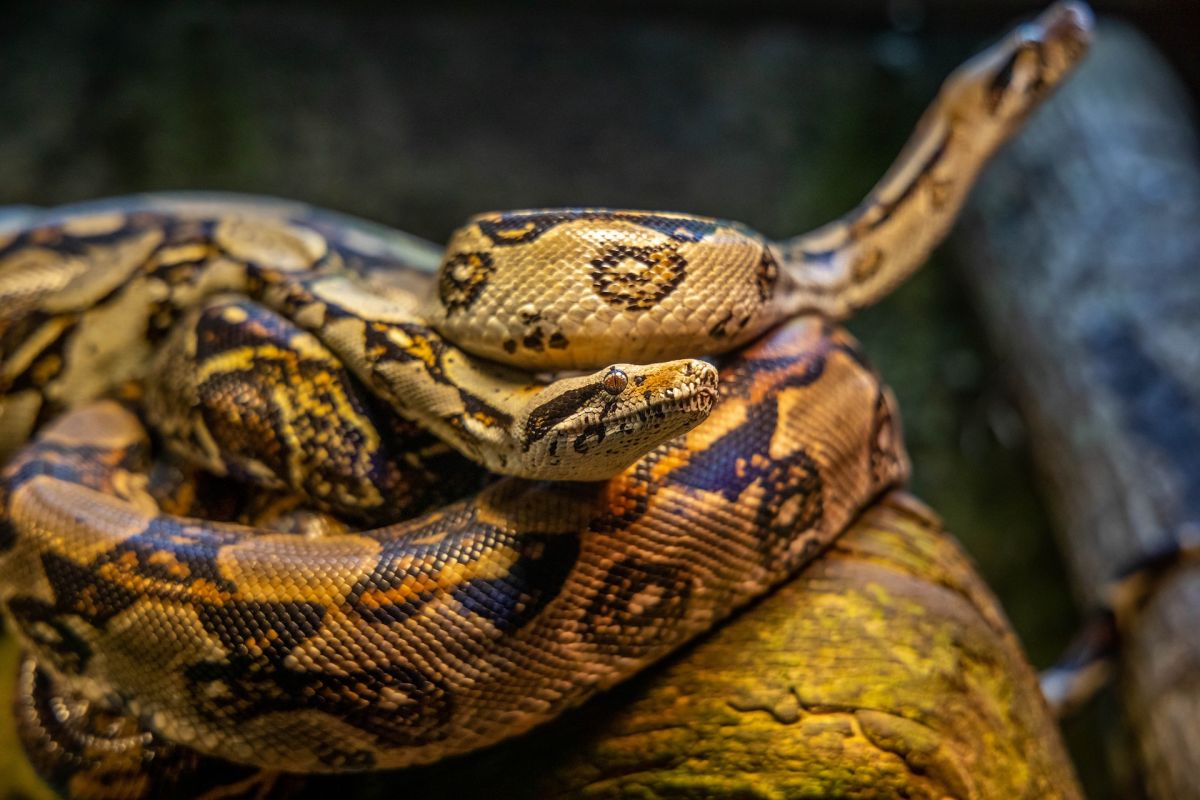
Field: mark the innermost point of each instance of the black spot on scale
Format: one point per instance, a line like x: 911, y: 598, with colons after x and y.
x: 720, y: 466
x: 64, y: 737
x: 169, y: 552
x: 558, y: 341
x: 525, y: 226
x: 795, y: 483
x: 766, y: 275
x: 814, y: 367
x: 46, y: 627
x: 261, y: 630
x: 510, y: 345
x: 637, y: 278
x: 540, y: 565
x: 728, y: 465
x: 728, y: 326
x: 518, y: 228
x: 462, y: 278
x: 215, y: 333
x: 481, y: 408
x: 427, y: 343
x: 791, y: 489
x: 533, y: 341
x: 543, y: 418
x: 81, y: 591
x: 394, y: 702
x: 533, y: 581
x: 717, y: 331
x: 885, y: 460
x: 681, y: 229
x: 595, y: 431
x: 637, y: 606
x: 1001, y: 81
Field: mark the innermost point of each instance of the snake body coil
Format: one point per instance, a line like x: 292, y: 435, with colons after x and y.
x: 376, y: 602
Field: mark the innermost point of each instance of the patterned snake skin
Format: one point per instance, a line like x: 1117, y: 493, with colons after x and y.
x: 316, y: 571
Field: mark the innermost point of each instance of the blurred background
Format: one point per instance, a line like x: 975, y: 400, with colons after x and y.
x: 778, y: 114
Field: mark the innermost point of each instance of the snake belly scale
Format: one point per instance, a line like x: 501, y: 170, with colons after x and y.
x: 375, y: 600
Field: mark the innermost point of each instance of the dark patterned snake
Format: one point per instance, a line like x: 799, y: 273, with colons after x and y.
x: 318, y: 574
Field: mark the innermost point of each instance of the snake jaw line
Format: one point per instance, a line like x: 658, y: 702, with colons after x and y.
x: 580, y: 428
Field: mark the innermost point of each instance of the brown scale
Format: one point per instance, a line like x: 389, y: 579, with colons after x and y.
x: 659, y: 272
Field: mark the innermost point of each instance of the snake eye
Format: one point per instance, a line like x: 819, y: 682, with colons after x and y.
x: 615, y: 381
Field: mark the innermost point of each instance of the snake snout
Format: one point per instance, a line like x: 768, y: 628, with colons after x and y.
x: 593, y: 426
x: 1064, y: 33
x: 1069, y: 20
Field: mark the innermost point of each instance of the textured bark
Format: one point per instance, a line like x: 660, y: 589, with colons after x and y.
x: 1083, y: 249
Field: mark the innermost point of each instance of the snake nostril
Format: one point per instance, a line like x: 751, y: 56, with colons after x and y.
x: 615, y: 381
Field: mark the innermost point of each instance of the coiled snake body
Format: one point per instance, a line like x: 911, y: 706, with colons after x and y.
x: 301, y: 627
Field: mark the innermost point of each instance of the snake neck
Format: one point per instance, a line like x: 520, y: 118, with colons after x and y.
x: 856, y: 260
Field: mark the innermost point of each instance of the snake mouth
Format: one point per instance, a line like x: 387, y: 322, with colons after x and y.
x: 618, y: 439
x: 695, y: 397
x: 604, y: 422
x: 690, y: 398
x: 677, y: 408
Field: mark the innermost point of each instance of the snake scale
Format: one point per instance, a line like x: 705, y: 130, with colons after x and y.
x: 316, y: 571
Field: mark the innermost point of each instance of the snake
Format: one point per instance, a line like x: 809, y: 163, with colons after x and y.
x: 251, y: 506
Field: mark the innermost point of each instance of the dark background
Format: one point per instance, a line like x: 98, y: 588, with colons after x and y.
x: 774, y: 113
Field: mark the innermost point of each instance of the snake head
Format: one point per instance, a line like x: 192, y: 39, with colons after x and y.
x: 591, y: 427
x: 1008, y: 80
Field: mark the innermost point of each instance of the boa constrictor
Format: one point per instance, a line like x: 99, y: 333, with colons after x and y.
x: 301, y: 627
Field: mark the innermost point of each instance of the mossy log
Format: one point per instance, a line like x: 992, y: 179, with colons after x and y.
x: 1088, y: 284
